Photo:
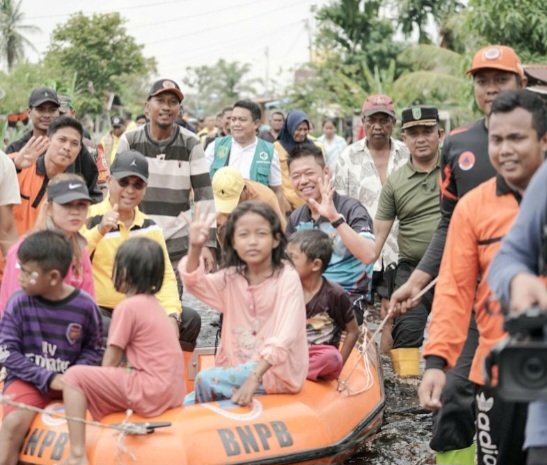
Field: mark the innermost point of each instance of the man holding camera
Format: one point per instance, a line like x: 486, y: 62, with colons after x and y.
x: 517, y: 140
x: 518, y: 277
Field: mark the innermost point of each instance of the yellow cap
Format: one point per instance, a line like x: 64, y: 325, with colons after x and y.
x: 227, y: 187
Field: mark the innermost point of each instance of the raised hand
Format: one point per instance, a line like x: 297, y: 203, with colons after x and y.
x: 31, y: 151
x: 110, y: 220
x: 198, y: 228
x: 326, y: 207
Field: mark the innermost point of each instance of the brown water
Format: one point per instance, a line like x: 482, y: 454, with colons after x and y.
x: 404, y: 436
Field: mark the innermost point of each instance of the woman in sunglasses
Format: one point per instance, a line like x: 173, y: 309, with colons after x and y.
x: 65, y: 211
x: 112, y: 222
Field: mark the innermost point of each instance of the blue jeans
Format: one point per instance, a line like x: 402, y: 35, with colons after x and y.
x: 220, y: 383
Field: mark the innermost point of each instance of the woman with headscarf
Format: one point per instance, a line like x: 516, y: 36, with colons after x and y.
x: 294, y: 132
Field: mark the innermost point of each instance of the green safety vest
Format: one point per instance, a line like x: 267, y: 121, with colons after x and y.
x: 262, y: 159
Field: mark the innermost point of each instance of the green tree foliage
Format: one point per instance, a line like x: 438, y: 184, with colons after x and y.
x: 415, y: 15
x: 522, y: 24
x: 354, y: 55
x: 219, y: 85
x: 357, y: 31
x: 19, y: 83
x: 12, y: 32
x: 99, y: 52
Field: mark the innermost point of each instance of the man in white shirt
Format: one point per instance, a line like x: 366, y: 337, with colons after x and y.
x: 255, y: 158
x: 9, y: 196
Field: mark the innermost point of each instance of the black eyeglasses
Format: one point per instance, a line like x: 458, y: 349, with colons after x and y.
x: 138, y: 185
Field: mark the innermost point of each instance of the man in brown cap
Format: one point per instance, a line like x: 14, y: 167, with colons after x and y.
x: 362, y: 169
x: 178, y: 169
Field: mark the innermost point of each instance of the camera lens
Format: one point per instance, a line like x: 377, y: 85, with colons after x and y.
x: 534, y: 372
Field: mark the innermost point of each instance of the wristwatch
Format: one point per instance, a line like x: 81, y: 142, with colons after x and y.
x: 338, y: 222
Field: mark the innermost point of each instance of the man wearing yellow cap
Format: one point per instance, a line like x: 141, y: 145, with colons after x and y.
x: 464, y: 165
x: 230, y: 189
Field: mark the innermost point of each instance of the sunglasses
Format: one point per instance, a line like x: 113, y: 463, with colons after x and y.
x: 138, y: 185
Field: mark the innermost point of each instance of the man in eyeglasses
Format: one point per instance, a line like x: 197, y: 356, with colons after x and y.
x: 115, y: 220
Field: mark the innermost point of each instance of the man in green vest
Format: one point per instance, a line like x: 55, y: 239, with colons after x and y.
x: 255, y: 158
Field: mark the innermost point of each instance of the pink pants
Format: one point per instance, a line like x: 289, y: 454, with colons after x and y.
x: 325, y: 362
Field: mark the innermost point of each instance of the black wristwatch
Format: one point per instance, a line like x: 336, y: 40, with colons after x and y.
x: 338, y: 222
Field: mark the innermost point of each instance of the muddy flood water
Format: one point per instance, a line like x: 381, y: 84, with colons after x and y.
x: 404, y: 436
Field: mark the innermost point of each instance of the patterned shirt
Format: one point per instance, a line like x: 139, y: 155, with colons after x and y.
x: 355, y: 175
x: 328, y: 312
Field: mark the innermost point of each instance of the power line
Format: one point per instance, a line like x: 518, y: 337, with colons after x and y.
x: 199, y: 15
x: 188, y: 34
x: 133, y: 7
x: 195, y: 52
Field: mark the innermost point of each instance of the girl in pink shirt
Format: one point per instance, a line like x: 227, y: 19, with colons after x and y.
x: 152, y: 381
x: 65, y: 211
x: 263, y: 348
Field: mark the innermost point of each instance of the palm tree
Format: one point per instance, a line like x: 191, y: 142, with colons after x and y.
x: 12, y: 40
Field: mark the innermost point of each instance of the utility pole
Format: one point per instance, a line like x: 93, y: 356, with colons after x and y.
x: 267, y: 76
x: 310, y: 23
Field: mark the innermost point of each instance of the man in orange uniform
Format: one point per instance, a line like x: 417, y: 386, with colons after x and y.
x: 517, y: 141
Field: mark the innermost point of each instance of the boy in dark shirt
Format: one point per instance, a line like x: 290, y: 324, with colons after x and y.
x: 46, y: 328
x: 328, y: 307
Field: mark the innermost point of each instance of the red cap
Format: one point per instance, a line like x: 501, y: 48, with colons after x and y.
x: 496, y: 57
x: 378, y: 104
x: 165, y: 85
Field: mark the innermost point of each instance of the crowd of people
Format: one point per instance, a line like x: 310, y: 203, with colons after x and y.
x: 288, y: 236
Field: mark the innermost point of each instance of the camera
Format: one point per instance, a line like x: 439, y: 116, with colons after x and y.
x: 521, y: 358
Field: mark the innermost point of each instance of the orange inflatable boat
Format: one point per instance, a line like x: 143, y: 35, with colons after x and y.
x: 325, y: 423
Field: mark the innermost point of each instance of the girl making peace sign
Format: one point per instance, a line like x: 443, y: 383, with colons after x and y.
x: 263, y: 347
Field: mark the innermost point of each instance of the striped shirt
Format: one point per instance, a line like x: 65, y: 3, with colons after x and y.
x: 177, y: 167
x: 40, y: 338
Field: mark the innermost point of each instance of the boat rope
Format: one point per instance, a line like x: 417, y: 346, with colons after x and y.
x: 124, y: 429
x: 364, y: 349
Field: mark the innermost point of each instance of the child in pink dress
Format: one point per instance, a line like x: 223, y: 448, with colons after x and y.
x: 153, y: 381
x: 263, y: 346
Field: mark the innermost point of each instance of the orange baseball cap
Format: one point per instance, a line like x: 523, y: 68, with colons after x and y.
x: 496, y: 57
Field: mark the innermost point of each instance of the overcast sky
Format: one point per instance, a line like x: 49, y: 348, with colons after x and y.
x: 181, y: 33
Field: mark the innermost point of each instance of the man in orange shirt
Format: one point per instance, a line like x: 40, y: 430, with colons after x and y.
x: 517, y: 141
x: 65, y: 141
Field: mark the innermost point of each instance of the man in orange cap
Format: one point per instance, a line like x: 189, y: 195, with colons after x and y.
x: 464, y: 165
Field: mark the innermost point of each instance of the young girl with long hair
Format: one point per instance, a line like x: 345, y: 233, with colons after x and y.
x: 263, y: 347
x: 152, y: 381
x: 65, y: 211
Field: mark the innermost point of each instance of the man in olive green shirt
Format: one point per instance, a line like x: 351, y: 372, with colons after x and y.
x: 411, y: 195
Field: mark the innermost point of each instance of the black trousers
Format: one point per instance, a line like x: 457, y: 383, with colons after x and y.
x: 454, y: 422
x: 408, y: 329
x: 500, y: 429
